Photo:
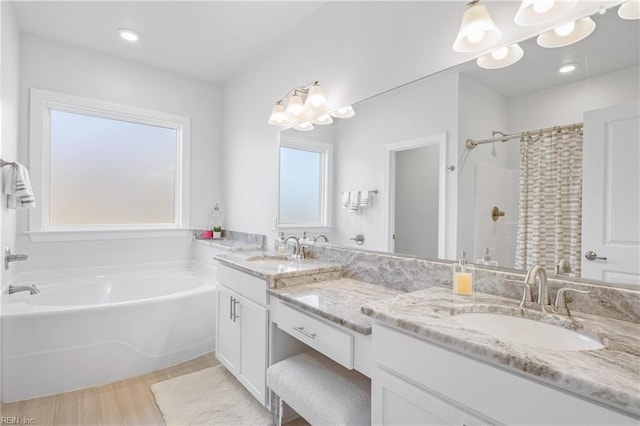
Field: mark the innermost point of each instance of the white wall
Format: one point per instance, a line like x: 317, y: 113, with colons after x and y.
x: 9, y: 79
x: 480, y: 110
x: 10, y: 69
x: 422, y: 108
x: 55, y: 66
x: 355, y: 50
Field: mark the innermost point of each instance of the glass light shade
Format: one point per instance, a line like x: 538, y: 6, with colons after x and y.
x: 304, y: 126
x: 343, y: 112
x: 323, y: 119
x: 477, y: 30
x: 629, y: 10
x: 490, y: 61
x: 315, y: 97
x: 583, y: 27
x: 278, y: 116
x: 534, y: 12
x: 295, y: 106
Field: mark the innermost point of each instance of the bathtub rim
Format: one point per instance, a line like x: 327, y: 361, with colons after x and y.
x: 16, y: 305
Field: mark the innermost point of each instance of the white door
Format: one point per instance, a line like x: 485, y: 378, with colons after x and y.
x: 228, y: 330
x: 611, y: 194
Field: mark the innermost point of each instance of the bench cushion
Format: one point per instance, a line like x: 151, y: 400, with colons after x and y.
x: 322, y: 391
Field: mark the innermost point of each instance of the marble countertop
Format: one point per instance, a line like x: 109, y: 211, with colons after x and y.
x: 337, y: 300
x: 269, y: 266
x: 230, y: 245
x: 610, y: 375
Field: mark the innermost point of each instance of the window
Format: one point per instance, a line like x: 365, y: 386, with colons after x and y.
x: 103, y: 168
x: 304, y: 182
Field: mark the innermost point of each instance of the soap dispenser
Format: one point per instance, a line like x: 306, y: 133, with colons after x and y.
x: 463, y: 277
x: 281, y: 246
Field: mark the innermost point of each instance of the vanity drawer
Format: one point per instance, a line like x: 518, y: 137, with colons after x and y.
x: 315, y: 332
x: 253, y: 288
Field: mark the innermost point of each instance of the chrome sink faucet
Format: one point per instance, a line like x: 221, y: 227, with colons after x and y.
x: 31, y: 289
x: 543, y: 287
x: 297, y: 250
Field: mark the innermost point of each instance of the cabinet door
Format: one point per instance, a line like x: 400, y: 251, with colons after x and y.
x: 228, y: 330
x: 397, y: 402
x: 253, y: 347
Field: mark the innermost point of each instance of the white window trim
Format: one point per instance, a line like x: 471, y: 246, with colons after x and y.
x: 326, y: 180
x: 42, y: 102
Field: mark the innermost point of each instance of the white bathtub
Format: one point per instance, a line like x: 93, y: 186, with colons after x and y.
x: 87, y: 331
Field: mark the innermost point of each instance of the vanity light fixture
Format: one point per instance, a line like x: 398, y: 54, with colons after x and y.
x: 305, y: 106
x: 129, y: 35
x: 501, y: 57
x: 477, y: 29
x: 629, y: 9
x: 568, y: 33
x: 534, y: 12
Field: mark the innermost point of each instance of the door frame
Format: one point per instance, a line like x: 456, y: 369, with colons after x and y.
x: 391, y: 149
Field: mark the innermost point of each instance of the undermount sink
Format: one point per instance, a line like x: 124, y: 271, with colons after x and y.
x: 532, y: 333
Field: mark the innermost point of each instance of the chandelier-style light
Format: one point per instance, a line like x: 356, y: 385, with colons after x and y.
x: 630, y: 10
x: 477, y: 29
x: 568, y: 33
x: 501, y: 57
x: 306, y: 106
x: 534, y: 12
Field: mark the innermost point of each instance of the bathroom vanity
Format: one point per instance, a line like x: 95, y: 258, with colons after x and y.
x: 396, y: 321
x: 476, y: 378
x: 242, y: 326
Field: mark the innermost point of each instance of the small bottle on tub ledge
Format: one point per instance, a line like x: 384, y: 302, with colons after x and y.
x: 463, y: 277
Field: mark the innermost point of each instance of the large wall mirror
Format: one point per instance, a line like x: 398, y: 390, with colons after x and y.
x: 493, y: 201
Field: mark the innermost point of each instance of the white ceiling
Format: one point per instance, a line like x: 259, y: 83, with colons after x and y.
x: 209, y: 40
x: 214, y: 40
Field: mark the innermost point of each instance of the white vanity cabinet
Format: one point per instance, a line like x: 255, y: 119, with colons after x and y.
x: 241, y: 328
x: 418, y: 382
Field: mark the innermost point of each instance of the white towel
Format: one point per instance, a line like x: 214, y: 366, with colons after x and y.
x: 354, y: 201
x: 365, y: 198
x: 17, y: 187
x: 345, y: 200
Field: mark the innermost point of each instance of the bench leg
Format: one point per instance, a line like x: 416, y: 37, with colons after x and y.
x: 276, y: 409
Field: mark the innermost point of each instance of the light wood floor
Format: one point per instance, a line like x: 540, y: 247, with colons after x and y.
x: 127, y: 402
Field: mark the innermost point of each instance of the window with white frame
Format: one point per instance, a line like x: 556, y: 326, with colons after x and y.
x: 98, y: 166
x: 304, y: 182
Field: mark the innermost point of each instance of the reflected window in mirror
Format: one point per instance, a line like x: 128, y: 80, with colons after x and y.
x: 304, y: 182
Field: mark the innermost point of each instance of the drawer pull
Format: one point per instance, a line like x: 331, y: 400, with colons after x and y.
x: 305, y: 332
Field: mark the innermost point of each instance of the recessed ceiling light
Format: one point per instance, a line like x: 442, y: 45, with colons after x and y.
x: 567, y: 68
x: 129, y: 35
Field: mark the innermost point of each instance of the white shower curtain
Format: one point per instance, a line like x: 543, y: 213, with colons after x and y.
x: 550, y: 203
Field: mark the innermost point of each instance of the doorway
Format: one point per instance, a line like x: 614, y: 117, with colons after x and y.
x: 417, y: 196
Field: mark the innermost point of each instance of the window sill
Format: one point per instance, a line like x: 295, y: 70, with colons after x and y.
x: 106, y: 234
x: 306, y: 227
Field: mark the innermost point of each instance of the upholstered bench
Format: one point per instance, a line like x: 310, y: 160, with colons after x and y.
x: 320, y: 390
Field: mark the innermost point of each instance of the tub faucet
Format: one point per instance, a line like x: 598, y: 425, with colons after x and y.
x: 543, y: 287
x: 297, y: 250
x: 31, y: 289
